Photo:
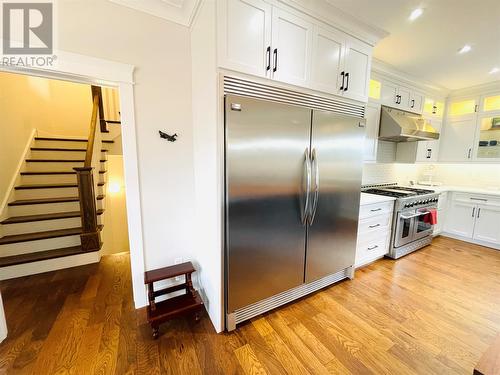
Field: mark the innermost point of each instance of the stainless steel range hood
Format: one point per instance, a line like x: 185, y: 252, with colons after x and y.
x: 401, y: 126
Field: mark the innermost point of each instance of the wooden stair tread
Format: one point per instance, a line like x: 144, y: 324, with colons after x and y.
x: 58, y: 160
x: 26, y: 237
x: 62, y: 149
x: 175, y: 306
x: 47, y: 186
x: 100, y: 197
x: 39, y: 256
x: 24, y: 202
x: 43, y: 217
x: 38, y: 173
x: 68, y: 139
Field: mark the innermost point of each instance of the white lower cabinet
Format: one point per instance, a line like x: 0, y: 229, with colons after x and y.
x: 374, y: 232
x: 442, y: 213
x: 474, y: 217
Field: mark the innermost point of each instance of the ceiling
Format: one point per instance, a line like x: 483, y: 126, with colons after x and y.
x: 427, y: 48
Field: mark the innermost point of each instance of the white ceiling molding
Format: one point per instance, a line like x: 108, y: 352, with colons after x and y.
x: 484, y: 89
x: 388, y: 71
x: 326, y: 12
x: 178, y: 11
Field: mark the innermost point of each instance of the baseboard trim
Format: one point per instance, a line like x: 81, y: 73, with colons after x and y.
x: 470, y: 240
x: 48, y: 265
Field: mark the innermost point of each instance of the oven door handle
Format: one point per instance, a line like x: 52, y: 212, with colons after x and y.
x: 412, y: 216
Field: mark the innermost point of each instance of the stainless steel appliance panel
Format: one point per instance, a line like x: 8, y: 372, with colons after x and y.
x: 337, y: 157
x: 267, y: 147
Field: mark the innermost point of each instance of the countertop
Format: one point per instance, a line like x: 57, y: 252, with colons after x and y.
x: 373, y: 198
x: 462, y: 189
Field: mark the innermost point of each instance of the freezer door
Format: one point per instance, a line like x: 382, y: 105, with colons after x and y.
x: 337, y: 157
x: 266, y: 171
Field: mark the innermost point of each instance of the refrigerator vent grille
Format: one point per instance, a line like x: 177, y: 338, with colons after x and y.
x: 260, y: 91
x: 283, y: 298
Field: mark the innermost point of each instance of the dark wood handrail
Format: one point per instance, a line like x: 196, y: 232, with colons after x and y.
x: 92, y: 131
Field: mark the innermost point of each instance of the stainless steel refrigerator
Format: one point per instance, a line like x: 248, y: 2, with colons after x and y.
x: 293, y: 178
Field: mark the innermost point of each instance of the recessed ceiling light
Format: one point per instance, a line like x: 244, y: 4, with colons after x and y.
x: 464, y: 49
x: 494, y: 70
x: 415, y: 14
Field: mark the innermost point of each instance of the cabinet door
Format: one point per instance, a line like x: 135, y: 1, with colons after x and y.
x: 388, y: 94
x: 404, y: 98
x: 372, y: 116
x: 357, y: 68
x: 428, y: 151
x: 417, y: 102
x: 460, y: 219
x: 487, y: 219
x: 328, y: 55
x: 457, y: 139
x: 245, y: 35
x: 292, y: 48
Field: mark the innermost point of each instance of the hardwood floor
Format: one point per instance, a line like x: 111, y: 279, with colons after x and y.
x: 433, y: 312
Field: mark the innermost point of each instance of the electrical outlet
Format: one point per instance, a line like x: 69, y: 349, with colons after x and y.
x: 178, y: 261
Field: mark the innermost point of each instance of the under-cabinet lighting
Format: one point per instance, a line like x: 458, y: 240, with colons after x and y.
x: 415, y: 14
x: 464, y: 49
x: 495, y: 70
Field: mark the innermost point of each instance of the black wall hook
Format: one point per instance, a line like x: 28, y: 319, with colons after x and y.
x: 170, y: 138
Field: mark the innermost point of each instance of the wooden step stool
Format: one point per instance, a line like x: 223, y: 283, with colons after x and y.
x: 190, y: 302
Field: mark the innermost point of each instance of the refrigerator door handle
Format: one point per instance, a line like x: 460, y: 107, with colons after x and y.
x: 307, y: 181
x: 315, y: 168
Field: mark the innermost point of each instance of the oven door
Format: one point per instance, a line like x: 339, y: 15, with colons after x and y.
x: 422, y: 227
x: 404, y: 227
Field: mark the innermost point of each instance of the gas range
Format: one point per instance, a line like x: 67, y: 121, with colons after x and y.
x: 406, y: 197
x: 411, y: 227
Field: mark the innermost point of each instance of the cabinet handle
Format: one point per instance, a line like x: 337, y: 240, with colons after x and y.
x: 375, y: 210
x: 343, y: 80
x: 275, y: 55
x: 413, y: 103
x: 374, y: 226
x: 478, y: 212
x: 469, y: 153
x: 397, y: 99
x: 346, y: 82
x: 372, y: 248
x: 434, y: 109
x: 476, y: 107
x: 473, y: 211
x: 429, y: 153
x: 268, y: 54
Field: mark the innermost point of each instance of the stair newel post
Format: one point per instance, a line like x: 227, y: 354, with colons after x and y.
x: 90, y: 236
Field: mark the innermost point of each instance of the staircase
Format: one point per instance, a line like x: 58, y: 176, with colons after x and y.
x: 43, y: 225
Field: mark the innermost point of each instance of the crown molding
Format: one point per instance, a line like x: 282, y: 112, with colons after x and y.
x: 482, y: 89
x: 326, y: 12
x: 388, y: 71
x: 178, y: 11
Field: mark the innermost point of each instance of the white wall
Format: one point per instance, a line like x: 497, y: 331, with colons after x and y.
x: 160, y: 51
x: 206, y: 166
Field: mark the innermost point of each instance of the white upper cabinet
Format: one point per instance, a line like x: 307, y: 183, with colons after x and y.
x: 388, y: 93
x: 357, y: 66
x: 417, y: 100
x: 402, y: 97
x: 279, y: 43
x: 328, y: 59
x: 245, y: 36
x: 291, y: 48
x: 457, y: 140
x: 428, y: 151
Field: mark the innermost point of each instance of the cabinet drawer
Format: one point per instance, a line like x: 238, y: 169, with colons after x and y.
x: 374, y: 209
x: 487, y: 200
x: 371, y: 250
x: 375, y: 223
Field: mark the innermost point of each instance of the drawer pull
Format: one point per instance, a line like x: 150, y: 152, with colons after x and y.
x: 375, y: 210
x: 372, y: 248
x: 374, y: 226
x: 479, y: 199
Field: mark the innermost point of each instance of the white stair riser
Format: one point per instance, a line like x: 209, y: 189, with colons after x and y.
x: 49, y: 265
x: 56, y: 167
x: 37, y: 209
x: 40, y: 226
x: 46, y: 193
x: 60, y: 144
x: 48, y: 179
x: 40, y: 245
x: 39, y: 154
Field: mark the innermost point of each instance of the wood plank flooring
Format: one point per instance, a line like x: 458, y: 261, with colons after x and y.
x: 433, y: 312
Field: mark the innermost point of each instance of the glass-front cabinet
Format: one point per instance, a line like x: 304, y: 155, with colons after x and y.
x: 488, y: 129
x: 434, y: 108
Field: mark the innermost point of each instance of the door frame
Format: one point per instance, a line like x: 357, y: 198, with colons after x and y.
x: 91, y: 70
